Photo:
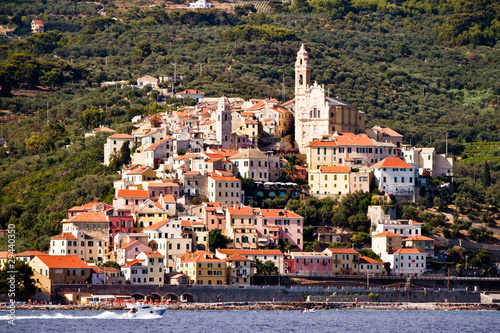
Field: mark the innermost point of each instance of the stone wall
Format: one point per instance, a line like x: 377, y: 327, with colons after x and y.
x: 376, y: 213
x: 262, y: 294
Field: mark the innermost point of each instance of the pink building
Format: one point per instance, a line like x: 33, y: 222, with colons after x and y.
x: 300, y: 173
x: 279, y: 224
x: 309, y: 264
x: 214, y: 215
x: 243, y: 142
x: 164, y: 188
x: 130, y: 199
x: 127, y: 252
x: 120, y: 220
x: 93, y: 206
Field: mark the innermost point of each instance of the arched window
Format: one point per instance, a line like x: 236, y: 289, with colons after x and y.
x: 333, y: 128
x: 301, y: 61
x: 303, y: 135
x: 319, y: 113
x: 315, y: 115
x: 311, y: 114
x: 301, y: 79
x: 332, y: 115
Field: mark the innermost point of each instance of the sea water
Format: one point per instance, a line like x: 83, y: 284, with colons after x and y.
x: 255, y: 321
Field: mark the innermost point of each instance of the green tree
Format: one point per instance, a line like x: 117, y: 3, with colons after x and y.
x: 360, y: 238
x: 216, y: 240
x: 125, y: 154
x: 25, y: 284
x: 486, y: 177
x: 111, y: 263
x: 143, y: 49
x: 91, y: 117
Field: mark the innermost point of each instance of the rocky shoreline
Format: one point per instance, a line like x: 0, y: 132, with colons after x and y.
x: 276, y: 306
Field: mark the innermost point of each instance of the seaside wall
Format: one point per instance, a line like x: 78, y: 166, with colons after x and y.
x: 256, y: 293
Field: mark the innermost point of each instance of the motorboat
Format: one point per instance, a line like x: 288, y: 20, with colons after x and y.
x: 139, y: 310
x: 308, y: 311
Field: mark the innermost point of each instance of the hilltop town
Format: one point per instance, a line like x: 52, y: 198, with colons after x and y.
x: 192, y: 204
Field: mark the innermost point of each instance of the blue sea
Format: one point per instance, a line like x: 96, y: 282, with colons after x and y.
x: 256, y: 321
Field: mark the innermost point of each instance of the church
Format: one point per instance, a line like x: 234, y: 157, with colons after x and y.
x: 317, y: 114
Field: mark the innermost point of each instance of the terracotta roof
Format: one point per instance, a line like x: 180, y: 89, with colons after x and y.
x: 343, y: 250
x: 153, y: 254
x: 31, y: 254
x: 250, y: 252
x: 202, y: 257
x: 276, y: 213
x: 157, y: 225
x: 124, y: 246
x: 387, y: 234
x: 223, y: 178
x: 237, y: 257
x: 236, y: 210
x: 407, y: 250
x: 120, y: 136
x: 88, y: 217
x: 147, y: 77
x: 319, y: 143
x: 257, y: 106
x: 169, y: 198
x: 4, y: 254
x: 67, y: 235
x: 335, y: 169
x: 389, y: 132
x: 186, y: 156
x: 366, y: 260
x: 357, y: 140
x: 418, y: 237
x: 132, y: 262
x: 248, y: 154
x: 62, y: 261
x: 133, y: 194
x: 392, y: 162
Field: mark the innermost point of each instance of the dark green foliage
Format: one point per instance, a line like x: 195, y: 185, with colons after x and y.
x: 111, y: 263
x: 486, y: 177
x: 369, y: 254
x: 25, y: 284
x: 216, y: 240
x: 264, y: 32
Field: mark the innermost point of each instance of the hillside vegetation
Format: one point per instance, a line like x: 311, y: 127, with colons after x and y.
x: 423, y: 68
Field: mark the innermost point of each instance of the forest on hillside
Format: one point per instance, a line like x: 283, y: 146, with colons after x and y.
x: 423, y: 68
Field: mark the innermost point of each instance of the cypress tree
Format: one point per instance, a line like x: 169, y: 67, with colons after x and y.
x: 486, y: 175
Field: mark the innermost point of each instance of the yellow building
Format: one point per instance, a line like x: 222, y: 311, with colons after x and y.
x: 240, y: 227
x: 51, y: 270
x: 239, y: 270
x: 333, y: 180
x: 321, y: 153
x: 149, y: 213
x: 369, y: 266
x: 344, y: 261
x: 204, y: 269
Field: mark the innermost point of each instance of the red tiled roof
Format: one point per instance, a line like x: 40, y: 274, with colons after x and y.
x: 120, y: 136
x: 31, y: 254
x: 418, y: 237
x: 387, y: 234
x: 319, y: 143
x: 390, y: 132
x: 237, y: 257
x: 133, y: 194
x: 366, y: 260
x: 392, y: 162
x: 236, y: 210
x: 88, y: 217
x: 157, y: 225
x: 62, y: 261
x: 132, y: 262
x: 335, y: 169
x: 407, y: 250
x: 276, y: 213
x: 250, y: 252
x: 343, y: 250
x: 153, y: 254
x: 67, y: 235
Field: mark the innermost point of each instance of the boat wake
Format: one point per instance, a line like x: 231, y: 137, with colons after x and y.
x: 58, y: 315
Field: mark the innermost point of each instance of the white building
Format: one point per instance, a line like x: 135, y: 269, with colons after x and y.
x: 200, y: 4
x: 316, y: 114
x: 251, y: 163
x: 223, y: 123
x: 224, y: 188
x: 166, y: 238
x: 405, y: 228
x: 407, y: 262
x: 114, y: 144
x: 428, y: 162
x: 394, y: 176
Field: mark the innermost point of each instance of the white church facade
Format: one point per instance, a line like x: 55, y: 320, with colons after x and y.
x: 315, y: 113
